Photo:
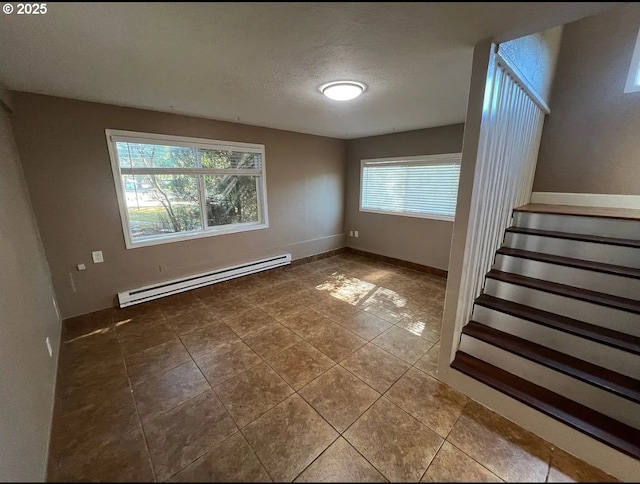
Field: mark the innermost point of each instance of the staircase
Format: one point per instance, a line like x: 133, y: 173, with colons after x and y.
x: 558, y: 324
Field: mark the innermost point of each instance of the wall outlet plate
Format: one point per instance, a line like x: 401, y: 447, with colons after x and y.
x: 356, y: 234
x: 97, y: 256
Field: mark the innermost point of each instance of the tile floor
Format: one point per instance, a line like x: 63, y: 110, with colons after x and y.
x: 324, y: 371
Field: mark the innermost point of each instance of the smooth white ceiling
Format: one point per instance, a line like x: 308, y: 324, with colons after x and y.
x: 261, y: 63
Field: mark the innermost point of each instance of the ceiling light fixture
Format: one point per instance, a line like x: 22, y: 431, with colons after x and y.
x: 342, y: 90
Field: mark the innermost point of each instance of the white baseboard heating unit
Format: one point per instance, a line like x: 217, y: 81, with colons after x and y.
x: 162, y: 289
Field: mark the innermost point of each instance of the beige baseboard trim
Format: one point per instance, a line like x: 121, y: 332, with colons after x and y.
x: 399, y: 262
x: 587, y: 199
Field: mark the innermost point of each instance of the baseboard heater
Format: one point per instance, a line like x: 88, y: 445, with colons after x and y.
x: 162, y: 289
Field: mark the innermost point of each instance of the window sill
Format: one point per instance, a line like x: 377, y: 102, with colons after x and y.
x: 168, y: 239
x: 445, y: 218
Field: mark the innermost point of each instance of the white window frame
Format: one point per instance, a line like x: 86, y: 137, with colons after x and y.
x: 114, y: 135
x: 427, y: 159
x: 633, y: 78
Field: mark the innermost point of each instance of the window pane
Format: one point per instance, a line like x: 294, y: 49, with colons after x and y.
x: 231, y: 199
x: 138, y: 155
x: 221, y: 159
x: 421, y: 189
x: 162, y: 204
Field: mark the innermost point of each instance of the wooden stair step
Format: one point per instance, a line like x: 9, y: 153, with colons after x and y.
x: 592, y: 332
x: 571, y: 262
x: 587, y: 295
x: 601, y: 427
x: 597, y: 239
x: 572, y: 210
x: 621, y: 385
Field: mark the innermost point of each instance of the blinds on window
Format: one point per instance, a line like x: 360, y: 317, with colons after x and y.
x: 418, y: 186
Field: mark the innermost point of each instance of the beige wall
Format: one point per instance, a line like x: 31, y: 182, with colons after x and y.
x: 418, y: 240
x: 535, y: 56
x: 27, y: 317
x: 591, y: 139
x: 64, y: 152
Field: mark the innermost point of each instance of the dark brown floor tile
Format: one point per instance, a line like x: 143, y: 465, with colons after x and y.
x: 138, y: 336
x: 335, y: 308
x: 156, y: 359
x: 252, y: 393
x: 268, y: 293
x: 435, y: 404
x: 345, y: 288
x: 191, y: 320
x: 227, y: 362
x: 147, y: 310
x: 398, y: 445
x: 376, y: 367
x: 92, y: 350
x: 567, y: 468
x: 124, y: 460
x: 453, y: 465
x: 429, y: 362
x: 336, y: 342
x: 364, y: 324
x: 87, y: 323
x: 291, y: 305
x: 299, y: 364
x: 422, y: 324
x: 179, y: 303
x: 208, y: 339
x: 307, y: 323
x: 507, y: 450
x: 231, y: 461
x: 340, y: 463
x: 289, y: 437
x: 249, y: 322
x: 271, y: 340
x: 72, y: 398
x: 93, y: 360
x: 102, y: 420
x: 230, y: 307
x: 404, y: 345
x: 339, y: 397
x: 179, y: 437
x: 161, y: 393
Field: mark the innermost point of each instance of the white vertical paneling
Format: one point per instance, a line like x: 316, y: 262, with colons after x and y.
x: 505, y: 167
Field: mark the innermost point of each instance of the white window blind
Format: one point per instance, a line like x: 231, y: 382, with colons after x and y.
x: 417, y: 186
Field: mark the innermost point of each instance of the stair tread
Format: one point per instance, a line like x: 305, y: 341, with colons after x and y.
x: 599, y: 239
x: 609, y: 380
x: 571, y: 262
x: 587, y: 295
x: 592, y: 332
x: 597, y: 425
x: 601, y: 212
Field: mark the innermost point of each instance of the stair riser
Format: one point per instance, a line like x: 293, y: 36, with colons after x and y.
x: 605, y: 227
x: 596, y: 281
x: 599, y: 354
x: 590, y: 251
x: 604, y: 316
x: 598, y: 399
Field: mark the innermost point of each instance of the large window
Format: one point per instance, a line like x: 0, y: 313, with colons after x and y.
x: 172, y: 188
x: 633, y: 78
x: 415, y: 186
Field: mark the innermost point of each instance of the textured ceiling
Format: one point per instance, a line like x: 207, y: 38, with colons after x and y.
x: 261, y: 63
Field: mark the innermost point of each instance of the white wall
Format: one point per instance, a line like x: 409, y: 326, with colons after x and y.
x: 27, y: 317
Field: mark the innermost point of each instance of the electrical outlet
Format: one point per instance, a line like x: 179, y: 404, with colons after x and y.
x: 81, y: 267
x: 97, y: 256
x: 350, y: 233
x: 49, y: 349
x: 355, y: 234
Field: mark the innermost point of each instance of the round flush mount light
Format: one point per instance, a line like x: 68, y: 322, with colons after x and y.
x: 342, y: 90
